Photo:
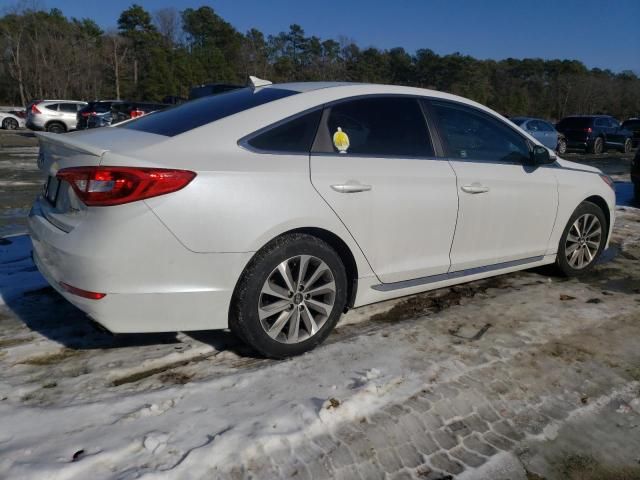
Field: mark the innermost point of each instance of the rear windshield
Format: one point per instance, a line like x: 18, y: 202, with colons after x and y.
x: 196, y: 113
x: 575, y: 122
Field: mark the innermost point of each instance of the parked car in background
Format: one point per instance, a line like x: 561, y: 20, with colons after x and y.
x: 55, y: 116
x: 110, y: 112
x: 595, y: 133
x: 633, y: 125
x: 271, y: 210
x: 12, y: 120
x: 542, y: 131
x: 635, y: 175
x: 211, y: 89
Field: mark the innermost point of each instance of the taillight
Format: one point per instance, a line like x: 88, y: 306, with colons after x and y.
x: 87, y: 114
x: 104, y: 186
x: 34, y: 109
x: 136, y: 113
x: 588, y: 130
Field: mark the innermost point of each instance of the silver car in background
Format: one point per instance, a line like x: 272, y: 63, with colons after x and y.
x: 542, y: 131
x: 55, y: 116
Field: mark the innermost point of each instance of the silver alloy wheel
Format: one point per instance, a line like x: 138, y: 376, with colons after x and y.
x: 296, y: 299
x: 583, y: 241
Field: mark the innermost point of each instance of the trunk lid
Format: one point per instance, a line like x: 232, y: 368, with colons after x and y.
x: 59, y: 203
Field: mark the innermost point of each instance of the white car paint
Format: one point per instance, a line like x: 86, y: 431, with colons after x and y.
x: 172, y: 262
x: 21, y: 121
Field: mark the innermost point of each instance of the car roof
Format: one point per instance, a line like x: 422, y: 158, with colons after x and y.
x: 589, y: 116
x: 60, y: 101
x: 354, y: 88
x: 529, y: 118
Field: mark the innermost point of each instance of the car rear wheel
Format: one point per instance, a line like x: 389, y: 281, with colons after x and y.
x: 598, y: 146
x: 627, y: 146
x: 10, y: 124
x: 562, y: 146
x: 56, y: 127
x: 582, y: 241
x: 289, y: 297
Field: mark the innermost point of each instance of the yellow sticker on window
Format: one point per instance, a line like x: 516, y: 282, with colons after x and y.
x: 341, y: 141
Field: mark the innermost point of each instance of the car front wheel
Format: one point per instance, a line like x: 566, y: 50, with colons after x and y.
x: 290, y: 296
x: 627, y: 146
x: 582, y: 241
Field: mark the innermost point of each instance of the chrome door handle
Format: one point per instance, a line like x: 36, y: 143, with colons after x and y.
x: 475, y: 188
x: 351, y: 188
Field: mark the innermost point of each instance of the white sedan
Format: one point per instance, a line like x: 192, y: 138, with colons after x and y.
x: 272, y: 209
x: 11, y: 121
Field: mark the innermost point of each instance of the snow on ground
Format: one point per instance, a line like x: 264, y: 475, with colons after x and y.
x: 197, y: 406
x: 485, y: 380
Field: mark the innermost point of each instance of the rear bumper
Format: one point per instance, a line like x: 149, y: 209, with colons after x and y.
x: 152, y: 283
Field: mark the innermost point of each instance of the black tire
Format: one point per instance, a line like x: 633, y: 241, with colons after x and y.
x: 10, y: 124
x: 562, y: 146
x: 244, y: 320
x: 598, y: 146
x: 627, y: 146
x: 56, y: 127
x: 562, y: 262
x: 636, y: 191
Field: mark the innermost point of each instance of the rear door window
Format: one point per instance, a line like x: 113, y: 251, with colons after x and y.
x: 378, y: 126
x: 574, y: 123
x: 602, y: 122
x: 291, y: 136
x: 546, y: 126
x: 68, y: 107
x: 53, y: 107
x: 196, y: 113
x: 475, y: 135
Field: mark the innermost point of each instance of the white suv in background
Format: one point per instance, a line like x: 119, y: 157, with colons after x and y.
x: 55, y: 116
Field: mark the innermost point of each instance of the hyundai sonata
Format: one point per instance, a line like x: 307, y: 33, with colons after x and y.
x: 272, y: 209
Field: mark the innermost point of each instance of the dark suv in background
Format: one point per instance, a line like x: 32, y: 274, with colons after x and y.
x: 633, y: 125
x: 594, y: 133
x: 109, y: 112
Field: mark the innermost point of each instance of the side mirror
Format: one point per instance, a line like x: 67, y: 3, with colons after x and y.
x: 540, y: 156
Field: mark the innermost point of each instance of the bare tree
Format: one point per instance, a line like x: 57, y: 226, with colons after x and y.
x: 169, y: 25
x: 117, y: 49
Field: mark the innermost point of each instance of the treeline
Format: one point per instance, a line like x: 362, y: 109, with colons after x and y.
x: 150, y: 55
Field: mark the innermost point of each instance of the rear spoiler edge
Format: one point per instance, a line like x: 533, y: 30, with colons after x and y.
x: 70, y: 142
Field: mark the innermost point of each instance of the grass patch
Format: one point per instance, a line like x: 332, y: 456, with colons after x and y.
x: 12, y: 342
x: 585, y: 467
x: 142, y: 374
x: 50, y: 358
